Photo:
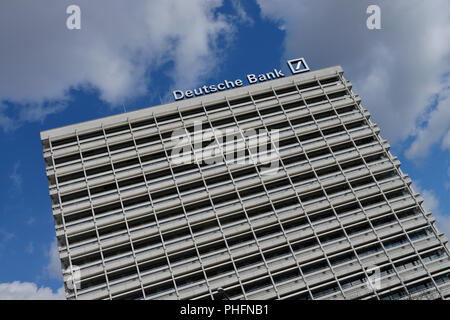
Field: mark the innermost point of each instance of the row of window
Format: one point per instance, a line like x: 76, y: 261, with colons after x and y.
x: 277, y: 278
x: 236, y: 175
x: 161, y: 155
x: 427, y: 286
x: 214, y: 124
x: 195, y: 111
x: 261, y: 189
x: 189, y: 168
x: 295, y: 223
x: 176, y: 212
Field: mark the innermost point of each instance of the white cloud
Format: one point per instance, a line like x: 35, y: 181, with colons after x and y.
x: 435, y: 129
x: 16, y: 177
x: 5, y: 236
x: 398, y: 71
x: 446, y: 143
x: 119, y: 44
x: 241, y: 13
x: 6, y: 123
x: 53, y: 268
x: 431, y: 203
x: 29, y: 291
x: 29, y: 248
x: 30, y: 221
x: 18, y: 290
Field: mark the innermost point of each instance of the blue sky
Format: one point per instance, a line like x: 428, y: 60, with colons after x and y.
x: 134, y: 55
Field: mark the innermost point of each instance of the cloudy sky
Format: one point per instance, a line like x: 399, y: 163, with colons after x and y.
x: 131, y: 54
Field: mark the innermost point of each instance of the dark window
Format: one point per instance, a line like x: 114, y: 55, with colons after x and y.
x: 347, y: 208
x: 361, y: 182
x: 269, y: 110
x: 78, y: 216
x: 104, y: 188
x: 285, y: 203
x: 61, y: 142
x: 191, y: 186
x: 93, y: 171
x: 126, y: 163
x: 333, y: 130
x: 72, y: 157
x: 164, y: 193
x: 251, y: 191
x: 218, y: 179
x: 243, y: 173
x: 323, y: 115
x: 309, y: 136
x: 147, y: 139
x: 353, y: 125
x: 279, y: 125
x: 336, y: 189
x: 301, y: 120
x: 314, y: 267
x: 168, y: 117
x: 328, y: 170
x: 113, y: 228
x: 221, y: 122
x: 72, y: 176
x: 192, y: 112
x: 94, y: 152
x: 90, y: 135
x: 332, y: 236
x: 351, y: 164
x: 137, y: 200
x: 240, y: 100
x: 247, y: 116
x: 143, y: 123
x: 153, y: 156
x: 293, y: 105
x: 122, y: 145
x: 329, y: 80
x: 117, y: 129
x: 286, y: 90
x: 158, y: 174
x: 216, y: 106
x: 318, y: 153
x: 372, y: 201
x: 342, y: 146
x: 263, y: 95
x: 385, y: 175
x: 303, y: 177
x: 287, y: 142
x: 307, y: 85
x: 129, y: 182
x: 345, y: 109
x: 396, y: 193
x: 312, y: 196
x: 337, y: 94
x: 294, y: 159
x: 315, y: 100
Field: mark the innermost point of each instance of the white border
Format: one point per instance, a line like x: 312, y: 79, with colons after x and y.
x: 297, y: 60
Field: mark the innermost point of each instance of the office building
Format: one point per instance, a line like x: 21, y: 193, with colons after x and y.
x: 282, y: 189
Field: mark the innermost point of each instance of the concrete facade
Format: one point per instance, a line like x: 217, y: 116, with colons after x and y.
x: 326, y: 214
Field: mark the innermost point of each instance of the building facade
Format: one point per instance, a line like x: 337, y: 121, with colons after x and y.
x: 279, y: 190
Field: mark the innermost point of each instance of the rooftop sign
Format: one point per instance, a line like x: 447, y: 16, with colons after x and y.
x: 295, y: 65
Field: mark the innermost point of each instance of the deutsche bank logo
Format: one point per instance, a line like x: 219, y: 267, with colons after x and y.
x: 298, y: 65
